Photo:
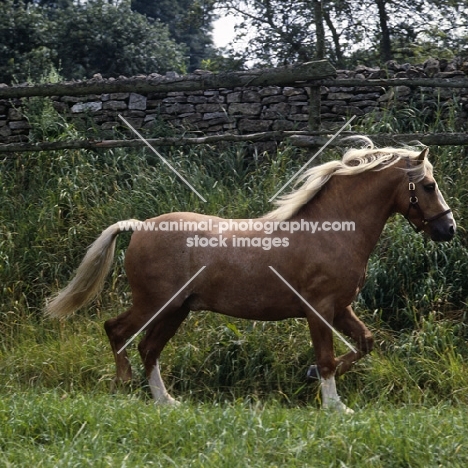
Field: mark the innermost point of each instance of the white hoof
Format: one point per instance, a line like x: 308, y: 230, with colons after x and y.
x: 338, y: 406
x: 330, y: 398
x: 158, y: 390
x: 167, y: 400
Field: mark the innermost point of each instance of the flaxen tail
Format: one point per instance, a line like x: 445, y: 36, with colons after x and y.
x: 90, y: 276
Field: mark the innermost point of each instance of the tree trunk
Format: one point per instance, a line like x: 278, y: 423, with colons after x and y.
x: 319, y: 30
x: 335, y: 37
x: 385, y: 43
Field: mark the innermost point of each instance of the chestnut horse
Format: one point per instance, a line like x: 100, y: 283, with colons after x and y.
x: 307, y: 258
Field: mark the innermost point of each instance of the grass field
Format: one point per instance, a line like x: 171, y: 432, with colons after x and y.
x: 244, y: 398
x: 55, y: 429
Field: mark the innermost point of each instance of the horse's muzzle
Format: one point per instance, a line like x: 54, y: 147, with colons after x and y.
x: 443, y: 232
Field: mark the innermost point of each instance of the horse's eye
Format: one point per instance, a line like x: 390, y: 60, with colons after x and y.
x: 430, y: 187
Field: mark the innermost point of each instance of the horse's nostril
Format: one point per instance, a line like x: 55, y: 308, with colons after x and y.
x: 452, y: 230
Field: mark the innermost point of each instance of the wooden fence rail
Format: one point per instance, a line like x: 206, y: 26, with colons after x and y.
x: 386, y: 83
x: 299, y: 139
x: 293, y: 75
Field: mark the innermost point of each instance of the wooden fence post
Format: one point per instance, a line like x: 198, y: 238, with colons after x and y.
x: 314, y: 108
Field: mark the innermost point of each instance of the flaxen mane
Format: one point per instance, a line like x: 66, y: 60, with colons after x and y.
x: 354, y: 161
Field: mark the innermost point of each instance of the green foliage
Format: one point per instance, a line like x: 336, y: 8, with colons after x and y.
x: 426, y: 112
x: 370, y: 32
x: 98, y: 37
x: 46, y: 123
x: 81, y: 40
x: 408, y: 280
x: 189, y: 23
x: 25, y: 42
x: 219, y: 63
x: 277, y: 32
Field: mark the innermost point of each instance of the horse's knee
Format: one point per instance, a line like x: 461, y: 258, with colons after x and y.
x: 366, y: 343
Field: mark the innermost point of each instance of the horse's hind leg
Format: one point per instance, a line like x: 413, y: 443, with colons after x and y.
x: 151, y: 346
x: 348, y: 323
x: 119, y: 329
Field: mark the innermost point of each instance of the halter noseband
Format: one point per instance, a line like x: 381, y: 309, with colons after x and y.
x: 414, y: 204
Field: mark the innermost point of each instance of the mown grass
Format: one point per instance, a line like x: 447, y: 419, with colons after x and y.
x: 102, y: 431
x: 242, y: 384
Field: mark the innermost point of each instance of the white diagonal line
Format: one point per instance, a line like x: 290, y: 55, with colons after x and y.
x: 163, y: 159
x: 161, y: 309
x: 312, y: 158
x: 346, y: 342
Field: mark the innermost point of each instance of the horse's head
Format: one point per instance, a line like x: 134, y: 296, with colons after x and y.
x: 421, y: 202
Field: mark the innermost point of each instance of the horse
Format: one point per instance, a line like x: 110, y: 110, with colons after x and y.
x: 307, y: 258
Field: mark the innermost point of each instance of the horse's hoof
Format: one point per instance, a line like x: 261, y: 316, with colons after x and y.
x: 120, y: 386
x: 167, y: 401
x: 313, y: 373
x: 338, y: 407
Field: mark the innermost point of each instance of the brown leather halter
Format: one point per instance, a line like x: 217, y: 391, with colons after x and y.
x: 414, y: 204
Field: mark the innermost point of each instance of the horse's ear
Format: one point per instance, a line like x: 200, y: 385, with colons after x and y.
x: 422, y: 156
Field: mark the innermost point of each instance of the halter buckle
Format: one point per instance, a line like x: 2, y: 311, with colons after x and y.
x: 414, y: 203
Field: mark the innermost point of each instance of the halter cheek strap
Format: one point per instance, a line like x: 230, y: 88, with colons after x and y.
x: 414, y: 204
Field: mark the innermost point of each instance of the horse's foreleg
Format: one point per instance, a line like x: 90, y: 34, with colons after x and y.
x: 348, y: 323
x: 151, y: 347
x: 322, y: 339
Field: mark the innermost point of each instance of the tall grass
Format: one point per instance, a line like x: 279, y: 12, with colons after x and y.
x: 421, y: 114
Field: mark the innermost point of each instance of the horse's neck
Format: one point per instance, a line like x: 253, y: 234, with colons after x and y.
x: 366, y: 199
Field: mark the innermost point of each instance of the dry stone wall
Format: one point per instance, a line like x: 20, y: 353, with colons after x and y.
x: 208, y: 112
x: 362, y: 100
x: 249, y: 109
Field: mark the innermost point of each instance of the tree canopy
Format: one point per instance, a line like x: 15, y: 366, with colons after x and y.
x: 349, y: 32
x: 126, y: 37
x: 190, y: 22
x: 83, y: 39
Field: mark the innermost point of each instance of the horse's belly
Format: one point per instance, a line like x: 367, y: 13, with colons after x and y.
x: 242, y: 304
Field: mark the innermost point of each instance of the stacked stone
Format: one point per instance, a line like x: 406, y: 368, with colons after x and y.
x: 14, y: 127
x: 246, y: 110
x: 209, y: 112
x: 364, y: 100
